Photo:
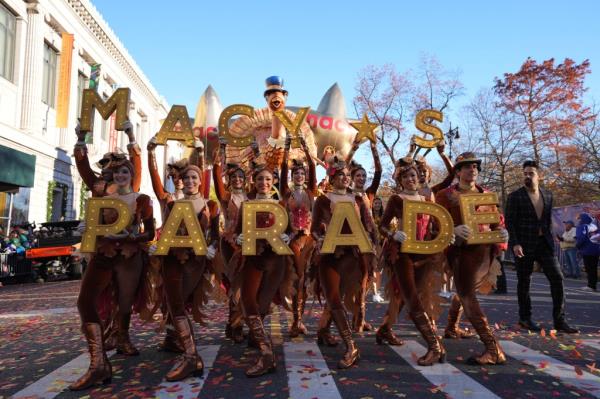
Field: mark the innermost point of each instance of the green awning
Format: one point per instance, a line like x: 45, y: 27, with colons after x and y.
x: 16, y: 168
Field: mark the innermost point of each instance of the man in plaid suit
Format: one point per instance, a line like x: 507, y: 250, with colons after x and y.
x: 528, y: 219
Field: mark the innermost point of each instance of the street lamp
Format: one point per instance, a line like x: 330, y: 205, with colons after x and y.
x: 452, y: 134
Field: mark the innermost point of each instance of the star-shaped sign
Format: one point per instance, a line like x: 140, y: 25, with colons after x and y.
x: 366, y: 130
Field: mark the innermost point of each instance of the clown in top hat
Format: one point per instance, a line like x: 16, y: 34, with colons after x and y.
x: 268, y: 130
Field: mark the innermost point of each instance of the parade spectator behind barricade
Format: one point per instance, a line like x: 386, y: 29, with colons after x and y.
x: 14, y: 243
x: 588, y: 249
x: 567, y: 246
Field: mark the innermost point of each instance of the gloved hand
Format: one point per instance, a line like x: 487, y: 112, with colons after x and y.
x: 198, y: 144
x: 504, y: 234
x: 152, y: 249
x: 152, y: 144
x: 285, y: 238
x: 452, y: 239
x: 400, y: 236
x: 463, y: 231
x: 81, y: 227
x: 240, y: 239
x: 211, y: 252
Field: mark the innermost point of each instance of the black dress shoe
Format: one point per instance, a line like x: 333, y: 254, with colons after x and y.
x: 563, y: 327
x: 530, y: 325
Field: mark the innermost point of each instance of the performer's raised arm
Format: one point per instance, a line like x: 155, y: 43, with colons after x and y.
x: 135, y: 156
x: 284, y: 188
x: 157, y: 184
x: 372, y: 190
x: 312, y: 170
x: 82, y: 161
x: 220, y: 190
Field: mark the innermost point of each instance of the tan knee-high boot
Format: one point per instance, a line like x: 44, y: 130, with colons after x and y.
x: 453, y: 330
x: 324, y: 336
x: 352, y: 354
x: 190, y: 363
x: 100, y: 370
x: 124, y: 345
x: 493, y: 352
x: 266, y: 360
x: 435, y: 350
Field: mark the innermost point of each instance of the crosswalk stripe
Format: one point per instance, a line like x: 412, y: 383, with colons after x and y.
x: 276, y: 336
x: 565, y: 372
x: 191, y: 386
x: 307, y: 372
x: 53, y: 384
x: 444, y: 376
x: 34, y: 313
x: 592, y: 343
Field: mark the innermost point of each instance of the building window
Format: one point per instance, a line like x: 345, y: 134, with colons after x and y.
x: 8, y: 24
x: 49, y: 84
x: 82, y: 82
x: 20, y: 208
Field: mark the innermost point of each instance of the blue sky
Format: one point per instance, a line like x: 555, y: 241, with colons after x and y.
x: 183, y: 46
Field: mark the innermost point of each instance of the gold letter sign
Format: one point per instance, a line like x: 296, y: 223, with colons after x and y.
x: 177, y: 113
x: 182, y: 211
x: 421, y: 123
x: 93, y: 216
x: 91, y: 100
x: 271, y: 234
x: 293, y: 126
x: 477, y: 209
x: 409, y: 225
x: 345, y: 212
x: 235, y: 109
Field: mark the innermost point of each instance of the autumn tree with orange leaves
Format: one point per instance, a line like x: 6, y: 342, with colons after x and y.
x: 548, y: 100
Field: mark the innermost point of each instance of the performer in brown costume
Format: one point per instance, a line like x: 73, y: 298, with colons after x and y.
x: 337, y: 270
x: 474, y: 267
x: 298, y: 202
x: 367, y: 261
x: 262, y: 276
x: 118, y: 255
x: 231, y: 199
x: 183, y: 271
x: 101, y: 186
x: 171, y: 342
x: 411, y: 271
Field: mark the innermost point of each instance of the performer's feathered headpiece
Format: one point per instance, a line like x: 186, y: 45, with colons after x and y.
x: 257, y: 168
x: 403, y: 165
x: 297, y: 164
x: 111, y: 157
x: 355, y: 167
x: 177, y: 167
x: 337, y: 164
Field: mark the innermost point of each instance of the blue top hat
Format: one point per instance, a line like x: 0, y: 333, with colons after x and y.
x: 274, y: 83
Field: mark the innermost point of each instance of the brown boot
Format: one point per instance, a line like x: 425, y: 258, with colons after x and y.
x: 171, y: 342
x: 100, y: 370
x: 298, y: 327
x: 359, y: 320
x: 190, y: 363
x: 493, y: 352
x: 324, y: 336
x: 453, y: 330
x: 435, y: 350
x: 124, y: 345
x: 385, y: 334
x: 352, y: 354
x: 266, y: 360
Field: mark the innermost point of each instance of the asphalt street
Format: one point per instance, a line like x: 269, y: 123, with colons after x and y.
x: 42, y: 351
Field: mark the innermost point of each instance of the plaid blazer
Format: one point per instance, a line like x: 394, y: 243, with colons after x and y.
x: 522, y: 222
